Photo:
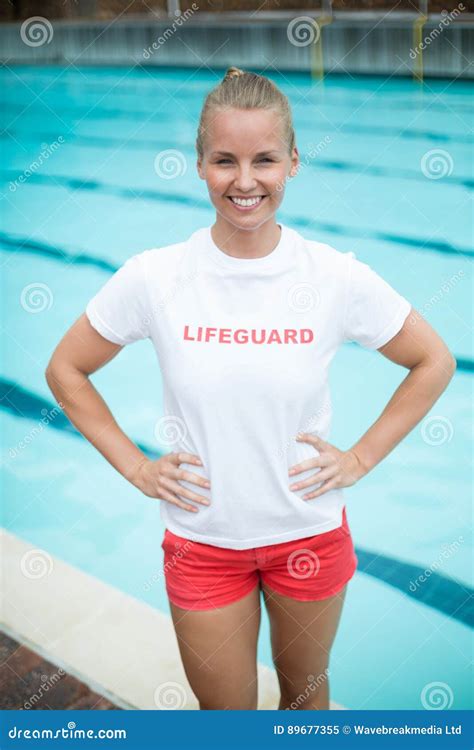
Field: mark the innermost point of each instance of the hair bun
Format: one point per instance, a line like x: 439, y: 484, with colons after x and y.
x: 233, y: 73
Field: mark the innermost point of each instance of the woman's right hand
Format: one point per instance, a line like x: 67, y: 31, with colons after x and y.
x: 160, y: 479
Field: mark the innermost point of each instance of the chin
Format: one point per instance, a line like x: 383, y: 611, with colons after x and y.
x: 245, y: 221
x: 249, y: 223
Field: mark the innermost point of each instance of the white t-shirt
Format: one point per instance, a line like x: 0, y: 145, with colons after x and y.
x: 244, y: 347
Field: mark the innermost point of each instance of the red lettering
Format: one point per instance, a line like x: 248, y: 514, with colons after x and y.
x: 255, y: 337
x: 274, y: 336
x: 224, y: 335
x: 245, y: 336
x: 238, y: 338
x: 210, y: 333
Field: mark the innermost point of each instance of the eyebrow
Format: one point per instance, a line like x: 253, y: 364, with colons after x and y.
x: 228, y: 153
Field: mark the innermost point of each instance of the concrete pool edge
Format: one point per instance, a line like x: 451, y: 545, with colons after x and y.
x: 232, y: 40
x: 83, y: 632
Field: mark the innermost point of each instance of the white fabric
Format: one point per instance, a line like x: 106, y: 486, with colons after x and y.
x: 237, y: 403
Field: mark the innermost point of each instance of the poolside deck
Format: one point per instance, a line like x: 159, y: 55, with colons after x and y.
x: 28, y: 681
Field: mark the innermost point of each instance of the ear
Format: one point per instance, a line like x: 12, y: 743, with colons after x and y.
x: 200, y: 169
x: 295, y: 162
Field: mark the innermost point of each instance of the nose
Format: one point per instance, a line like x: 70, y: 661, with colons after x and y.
x: 244, y: 180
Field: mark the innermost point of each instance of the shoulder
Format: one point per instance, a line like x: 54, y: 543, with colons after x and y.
x: 160, y: 256
x: 165, y: 265
x: 326, y: 257
x: 164, y: 258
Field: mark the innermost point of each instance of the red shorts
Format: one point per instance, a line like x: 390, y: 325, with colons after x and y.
x: 201, y: 576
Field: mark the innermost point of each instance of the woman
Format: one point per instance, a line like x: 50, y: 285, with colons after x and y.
x: 246, y: 316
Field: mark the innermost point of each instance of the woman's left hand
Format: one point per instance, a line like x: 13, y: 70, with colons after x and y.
x: 337, y: 468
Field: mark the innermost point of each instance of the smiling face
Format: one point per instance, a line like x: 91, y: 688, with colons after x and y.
x: 245, y: 164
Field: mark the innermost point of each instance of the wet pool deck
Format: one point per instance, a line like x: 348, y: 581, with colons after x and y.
x: 28, y: 681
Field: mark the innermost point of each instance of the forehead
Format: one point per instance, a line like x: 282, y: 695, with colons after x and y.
x: 245, y: 130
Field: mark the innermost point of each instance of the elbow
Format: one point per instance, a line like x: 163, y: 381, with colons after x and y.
x: 452, y: 364
x: 49, y: 368
x: 441, y: 362
x: 448, y: 365
x: 48, y: 375
x: 51, y: 375
x: 447, y: 360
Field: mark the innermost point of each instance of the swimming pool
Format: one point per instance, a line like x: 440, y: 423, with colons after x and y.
x: 86, y: 184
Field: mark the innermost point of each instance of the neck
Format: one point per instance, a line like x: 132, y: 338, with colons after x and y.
x: 246, y: 243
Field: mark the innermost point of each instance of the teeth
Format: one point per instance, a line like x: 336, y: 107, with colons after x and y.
x: 246, y: 201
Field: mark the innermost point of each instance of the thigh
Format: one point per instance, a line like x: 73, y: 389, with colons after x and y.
x: 218, y: 648
x: 302, y: 633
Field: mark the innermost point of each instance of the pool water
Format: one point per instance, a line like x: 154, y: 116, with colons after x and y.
x: 386, y: 173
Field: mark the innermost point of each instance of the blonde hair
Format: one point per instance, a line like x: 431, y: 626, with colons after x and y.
x: 243, y: 90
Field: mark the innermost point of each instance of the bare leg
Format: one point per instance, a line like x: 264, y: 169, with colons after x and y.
x: 218, y: 648
x: 302, y: 635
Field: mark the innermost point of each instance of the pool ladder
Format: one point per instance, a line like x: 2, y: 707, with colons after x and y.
x: 417, y: 39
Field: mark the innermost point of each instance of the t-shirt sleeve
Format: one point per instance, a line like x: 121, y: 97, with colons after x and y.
x: 375, y: 311
x: 120, y: 310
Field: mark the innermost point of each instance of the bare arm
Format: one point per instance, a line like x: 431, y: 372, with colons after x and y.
x: 81, y: 352
x: 419, y: 348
